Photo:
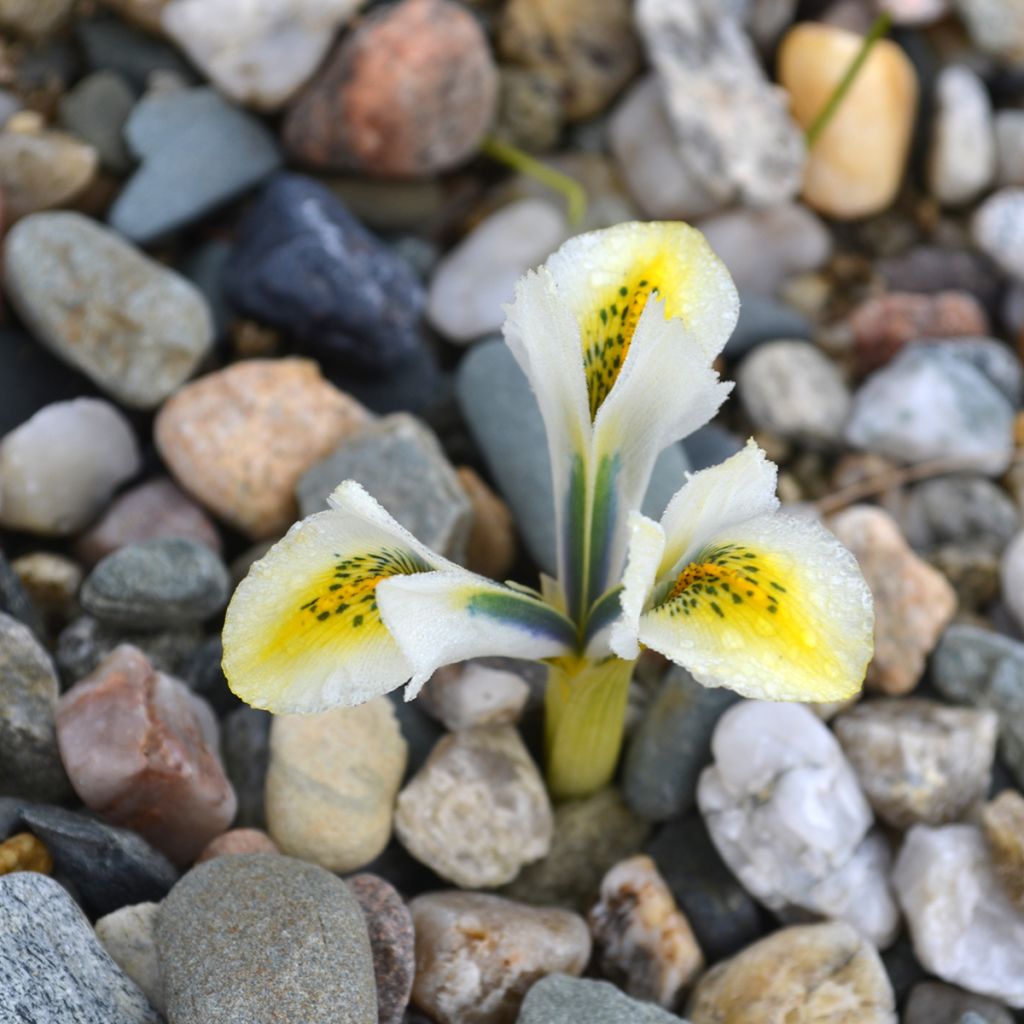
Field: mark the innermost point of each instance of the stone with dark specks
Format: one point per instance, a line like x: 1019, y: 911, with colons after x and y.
x: 562, y: 999
x: 392, y: 940
x: 303, y: 263
x: 265, y: 938
x: 53, y: 969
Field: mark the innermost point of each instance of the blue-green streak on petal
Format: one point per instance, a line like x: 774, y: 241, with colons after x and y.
x: 605, y: 610
x: 529, y: 615
x: 603, y: 516
x: 575, y: 540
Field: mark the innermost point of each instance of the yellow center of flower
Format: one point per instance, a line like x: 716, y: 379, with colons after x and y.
x: 342, y: 599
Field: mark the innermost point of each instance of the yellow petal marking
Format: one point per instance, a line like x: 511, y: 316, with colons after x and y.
x: 340, y: 604
x: 742, y: 599
x: 608, y: 326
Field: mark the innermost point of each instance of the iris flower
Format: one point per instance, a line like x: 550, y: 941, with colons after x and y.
x: 617, y: 334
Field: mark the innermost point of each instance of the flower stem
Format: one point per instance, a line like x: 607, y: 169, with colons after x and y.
x: 879, y: 27
x: 585, y: 709
x: 514, y: 157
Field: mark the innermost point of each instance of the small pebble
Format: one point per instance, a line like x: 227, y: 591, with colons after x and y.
x: 997, y: 228
x: 34, y: 17
x: 913, y: 601
x: 589, y: 48
x: 106, y: 867
x: 562, y: 999
x: 790, y: 388
x: 477, y: 811
x: 166, y: 582
x: 53, y: 969
x: 643, y: 941
x: 477, y: 955
x: 43, y: 169
x: 788, y: 816
x: 856, y: 165
x: 958, y: 912
x: 331, y: 783
x: 1002, y: 821
x: 59, y: 469
x: 246, y: 749
x: 392, y: 941
x: 239, y: 439
x: 918, y: 761
x: 1009, y: 127
x: 289, y: 935
x: 196, y: 153
x: 959, y: 511
x: 400, y: 462
x: 962, y: 158
x: 30, y: 763
x: 472, y: 694
x: 157, y: 769
x: 24, y: 852
x: 473, y: 282
x: 135, y: 328
x: 799, y: 975
x: 303, y: 263
x: 96, y: 110
x: 236, y: 842
x: 882, y: 326
x: 51, y: 581
x: 932, y: 402
x: 410, y: 92
x: 995, y: 27
x: 243, y: 50
x: 931, y: 1002
x: 1011, y: 571
x: 129, y: 936
x: 590, y: 836
x: 148, y: 511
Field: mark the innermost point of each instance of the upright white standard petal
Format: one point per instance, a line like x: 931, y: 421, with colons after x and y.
x: 303, y: 630
x: 712, y: 500
x: 439, y: 618
x: 665, y: 390
x: 772, y: 607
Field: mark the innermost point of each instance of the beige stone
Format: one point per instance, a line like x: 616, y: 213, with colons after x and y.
x: 856, y: 166
x: 236, y: 842
x: 331, y: 783
x: 239, y: 439
x: 1002, y: 821
x: 477, y: 955
x: 802, y: 975
x: 913, y: 601
x: 42, y: 169
x: 644, y: 940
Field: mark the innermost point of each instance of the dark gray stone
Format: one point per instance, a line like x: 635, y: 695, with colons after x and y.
x: 559, y: 999
x: 963, y: 510
x: 96, y: 110
x: 671, y: 745
x: 709, y: 446
x: 764, y: 319
x: 723, y: 916
x: 108, y: 867
x: 205, y: 676
x: 245, y: 745
x: 932, y: 1002
x: 505, y: 421
x: 14, y: 600
x: 111, y: 44
x: 983, y: 669
x: 53, y: 969
x: 84, y: 643
x: 419, y: 730
x: 205, y: 267
x: 931, y: 269
x: 198, y: 152
x: 30, y: 764
x: 265, y: 938
x: 167, y: 582
x: 400, y: 462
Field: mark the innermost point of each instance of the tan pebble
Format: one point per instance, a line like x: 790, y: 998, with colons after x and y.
x: 238, y: 841
x: 238, y: 440
x: 1002, y: 821
x: 644, y: 941
x: 856, y: 166
x: 24, y: 852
